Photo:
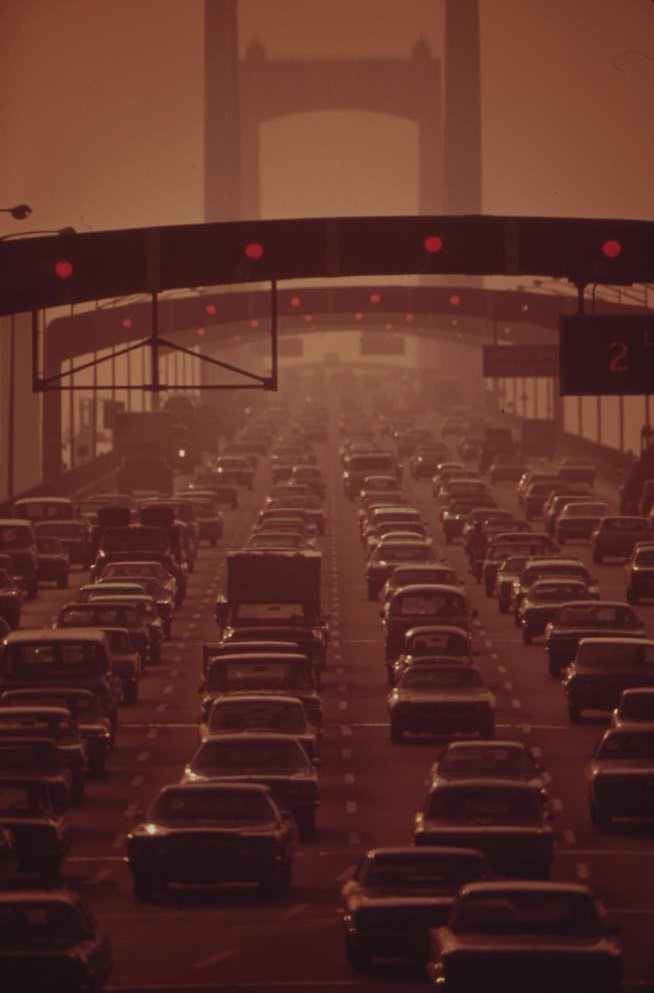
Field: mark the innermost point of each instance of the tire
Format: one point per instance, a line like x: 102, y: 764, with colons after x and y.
x: 526, y: 636
x: 144, y: 887
x: 574, y: 712
x: 50, y: 875
x: 601, y: 820
x: 358, y: 959
x: 275, y: 883
x: 397, y: 734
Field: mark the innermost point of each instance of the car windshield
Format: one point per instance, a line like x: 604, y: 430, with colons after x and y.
x: 17, y: 799
x: 493, y: 806
x: 645, y: 558
x: 440, y: 678
x: 48, y: 546
x: 527, y: 912
x: 60, y: 530
x: 420, y: 872
x: 439, y: 642
x: 485, y: 760
x: 222, y: 806
x: 99, y: 617
x: 404, y: 552
x: 625, y: 524
x: 596, y: 615
x: 250, y: 757
x: 622, y: 745
x: 237, y: 676
x: 34, y: 925
x: 262, y: 715
x: 555, y: 592
x: 406, y: 577
x: 407, y: 604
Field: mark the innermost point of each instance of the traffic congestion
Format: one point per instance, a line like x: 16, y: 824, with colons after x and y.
x: 367, y: 700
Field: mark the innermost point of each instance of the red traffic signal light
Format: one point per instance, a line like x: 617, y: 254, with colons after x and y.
x: 611, y: 248
x: 63, y: 269
x: 433, y: 243
x: 253, y: 250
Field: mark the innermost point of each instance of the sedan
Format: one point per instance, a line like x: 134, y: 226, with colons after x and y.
x: 441, y: 700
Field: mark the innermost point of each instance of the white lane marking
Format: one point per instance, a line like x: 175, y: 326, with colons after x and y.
x: 346, y: 731
x: 99, y: 877
x: 345, y: 874
x: 342, y: 704
x: 483, y: 632
x: 174, y: 673
x: 488, y: 644
x: 346, y: 753
x: 161, y: 707
x: 537, y: 751
x: 508, y: 686
x: 557, y: 804
x: 569, y: 836
x: 339, y: 670
x: 501, y: 668
x: 137, y: 780
x: 351, y: 807
x: 295, y: 911
x: 152, y: 733
x: 494, y: 656
x: 143, y: 756
x: 349, y: 778
x: 213, y: 959
x: 341, y: 688
x: 196, y: 616
x: 516, y: 704
x: 117, y: 842
x: 526, y: 728
x: 168, y: 689
x: 338, y: 657
x: 354, y: 838
x: 582, y: 870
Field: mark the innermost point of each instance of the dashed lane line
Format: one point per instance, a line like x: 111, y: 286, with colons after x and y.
x: 214, y: 959
x: 583, y: 871
x: 351, y: 807
x: 295, y: 911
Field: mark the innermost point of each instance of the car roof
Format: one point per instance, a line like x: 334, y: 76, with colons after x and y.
x: 525, y: 886
x: 28, y: 636
x: 414, y: 589
x: 498, y: 782
x: 438, y: 628
x: 8, y: 897
x: 422, y: 851
x: 617, y: 641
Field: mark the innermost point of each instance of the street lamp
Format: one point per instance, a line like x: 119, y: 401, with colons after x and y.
x: 19, y: 212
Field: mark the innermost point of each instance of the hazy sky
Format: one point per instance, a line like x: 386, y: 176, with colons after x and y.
x: 101, y: 109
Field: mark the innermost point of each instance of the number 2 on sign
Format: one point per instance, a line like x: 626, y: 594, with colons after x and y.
x: 617, y: 363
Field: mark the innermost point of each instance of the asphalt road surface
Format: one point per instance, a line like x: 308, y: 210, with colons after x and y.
x: 370, y: 787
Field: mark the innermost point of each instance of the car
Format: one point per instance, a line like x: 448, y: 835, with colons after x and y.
x: 602, y: 668
x: 103, y: 613
x: 41, y: 833
x: 578, y: 519
x: 619, y: 776
x: 53, y: 564
x: 636, y: 705
x: 506, y: 468
x: 541, y: 602
x: 37, y: 758
x: 236, y: 467
x: 208, y: 516
x: 218, y: 832
x: 75, y: 536
x: 56, y: 724
x: 275, y: 760
x: 395, y: 895
x: 389, y: 554
x: 587, y: 619
x: 512, y: 543
x: 221, y: 487
x: 540, y: 567
x: 135, y: 571
x: 616, y: 535
x: 262, y: 712
x: 424, y: 462
x: 429, y: 572
x: 455, y: 513
x: 95, y: 721
x: 423, y: 604
x: 535, y: 495
x: 51, y: 941
x: 502, y: 818
x: 17, y: 538
x: 461, y: 760
x: 508, y: 572
x: 515, y: 936
x: 556, y: 503
x: 161, y: 593
x: 441, y: 700
x: 639, y: 571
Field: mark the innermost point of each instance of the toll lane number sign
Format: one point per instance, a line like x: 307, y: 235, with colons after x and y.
x: 606, y: 355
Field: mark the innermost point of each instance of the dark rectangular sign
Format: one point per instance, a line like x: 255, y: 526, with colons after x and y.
x: 606, y: 355
x: 511, y: 361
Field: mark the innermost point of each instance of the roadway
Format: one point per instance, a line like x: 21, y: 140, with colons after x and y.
x: 370, y: 788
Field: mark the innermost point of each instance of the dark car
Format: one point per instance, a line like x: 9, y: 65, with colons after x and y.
x: 513, y: 543
x: 602, y: 668
x: 389, y: 554
x: 55, y: 723
x: 423, y: 604
x: 456, y: 512
x: 441, y: 700
x: 17, y: 539
x: 94, y: 720
x: 577, y: 469
x: 579, y: 519
x: 636, y: 706
x: 620, y: 776
x: 49, y: 940
x: 221, y: 487
x: 41, y: 834
x: 504, y: 819
x: 37, y: 758
x: 492, y: 759
x: 640, y: 573
x: 518, y: 936
x: 212, y: 833
x: 587, y: 619
x: 103, y: 614
x: 395, y: 895
x: 543, y: 599
x: 276, y: 760
x: 506, y: 468
x: 75, y: 536
x: 208, y: 517
x: 616, y: 536
x: 238, y: 467
x: 261, y: 712
x: 11, y: 599
x: 53, y: 564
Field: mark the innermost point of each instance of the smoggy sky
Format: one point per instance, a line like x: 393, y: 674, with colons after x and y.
x: 101, y: 112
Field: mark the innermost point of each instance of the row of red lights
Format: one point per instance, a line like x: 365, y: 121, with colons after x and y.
x: 254, y: 251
